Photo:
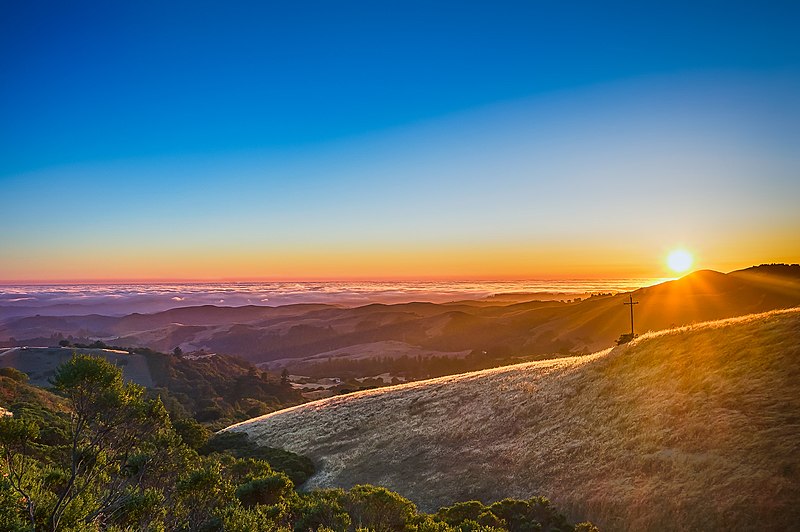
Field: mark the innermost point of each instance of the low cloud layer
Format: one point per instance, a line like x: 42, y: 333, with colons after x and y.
x: 119, y: 299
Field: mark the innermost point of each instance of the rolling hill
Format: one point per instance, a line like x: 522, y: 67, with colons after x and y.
x: 40, y: 363
x: 496, y: 329
x: 692, y: 428
x: 217, y: 389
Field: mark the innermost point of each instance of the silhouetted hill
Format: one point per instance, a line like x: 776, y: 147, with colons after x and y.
x: 791, y: 271
x: 209, y: 315
x: 695, y: 428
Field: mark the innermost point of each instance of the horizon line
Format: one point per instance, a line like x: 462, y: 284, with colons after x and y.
x: 53, y: 282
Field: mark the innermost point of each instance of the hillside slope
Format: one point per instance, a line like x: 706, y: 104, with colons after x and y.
x: 696, y: 428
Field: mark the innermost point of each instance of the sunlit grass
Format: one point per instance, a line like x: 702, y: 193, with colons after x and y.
x: 689, y: 428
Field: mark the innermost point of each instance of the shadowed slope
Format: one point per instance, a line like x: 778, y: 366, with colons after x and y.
x: 692, y: 428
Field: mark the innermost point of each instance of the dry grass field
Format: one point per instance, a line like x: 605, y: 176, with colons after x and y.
x: 693, y: 428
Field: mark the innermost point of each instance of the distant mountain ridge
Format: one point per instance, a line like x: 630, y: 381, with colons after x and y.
x: 494, y: 327
x: 779, y: 270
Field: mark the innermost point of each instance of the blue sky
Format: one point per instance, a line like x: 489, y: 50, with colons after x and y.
x: 261, y: 129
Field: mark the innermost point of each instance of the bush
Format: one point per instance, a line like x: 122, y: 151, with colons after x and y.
x: 12, y: 510
x: 378, y: 509
x: 142, y: 510
x: 533, y: 514
x: 191, y: 432
x: 473, y: 526
x: 298, y: 468
x: 625, y: 338
x: 239, y: 519
x: 456, y: 514
x: 227, y: 441
x: 265, y: 490
x: 201, y: 494
x: 14, y: 374
x: 210, y: 413
x: 322, y: 509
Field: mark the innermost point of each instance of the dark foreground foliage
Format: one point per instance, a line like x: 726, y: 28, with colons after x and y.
x: 112, y: 460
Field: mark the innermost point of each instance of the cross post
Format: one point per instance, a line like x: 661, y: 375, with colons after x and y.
x: 631, y: 302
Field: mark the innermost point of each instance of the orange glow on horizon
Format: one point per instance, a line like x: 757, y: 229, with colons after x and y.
x: 452, y: 263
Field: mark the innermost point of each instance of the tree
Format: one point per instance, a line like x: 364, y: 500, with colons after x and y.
x: 110, y: 421
x: 191, y: 432
x: 285, y: 377
x: 16, y: 439
x: 377, y: 508
x: 267, y: 490
x: 178, y: 352
x: 201, y: 494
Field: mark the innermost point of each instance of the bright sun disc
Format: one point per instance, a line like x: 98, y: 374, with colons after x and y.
x: 679, y: 260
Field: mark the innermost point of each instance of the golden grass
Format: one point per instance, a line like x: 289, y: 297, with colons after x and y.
x: 695, y: 428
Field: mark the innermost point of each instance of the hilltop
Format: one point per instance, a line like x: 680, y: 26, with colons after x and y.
x: 695, y: 427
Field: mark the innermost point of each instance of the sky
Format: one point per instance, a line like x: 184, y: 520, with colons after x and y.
x: 395, y: 140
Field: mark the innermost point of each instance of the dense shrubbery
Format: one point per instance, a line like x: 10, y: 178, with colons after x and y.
x: 509, y: 514
x: 217, y: 390
x: 114, y: 461
x: 297, y: 468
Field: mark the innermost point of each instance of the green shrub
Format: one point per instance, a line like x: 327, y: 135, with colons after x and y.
x: 227, y: 441
x: 378, y: 509
x: 13, y: 511
x: 297, y: 468
x: 14, y: 374
x: 321, y: 510
x: 191, y: 432
x: 240, y: 519
x: 473, y: 526
x: 459, y: 512
x: 265, y: 490
x: 143, y: 510
x: 529, y: 515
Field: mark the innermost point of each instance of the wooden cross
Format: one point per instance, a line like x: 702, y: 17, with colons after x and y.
x: 631, y: 302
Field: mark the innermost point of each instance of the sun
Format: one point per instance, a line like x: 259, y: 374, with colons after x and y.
x: 679, y: 260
